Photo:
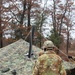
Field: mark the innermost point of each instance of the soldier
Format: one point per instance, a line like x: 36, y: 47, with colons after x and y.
x: 48, y: 62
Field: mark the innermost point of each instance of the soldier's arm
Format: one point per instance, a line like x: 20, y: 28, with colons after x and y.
x: 62, y: 70
x: 36, y: 68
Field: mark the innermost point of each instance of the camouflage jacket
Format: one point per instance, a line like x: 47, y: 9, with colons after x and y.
x: 49, y: 63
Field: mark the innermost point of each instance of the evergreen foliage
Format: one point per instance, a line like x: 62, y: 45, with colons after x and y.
x: 56, y: 39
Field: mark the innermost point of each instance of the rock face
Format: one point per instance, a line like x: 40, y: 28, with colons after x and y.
x: 68, y: 65
x: 14, y: 56
x: 14, y: 59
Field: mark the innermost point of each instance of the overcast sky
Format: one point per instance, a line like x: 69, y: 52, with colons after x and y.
x: 47, y: 32
x: 47, y: 27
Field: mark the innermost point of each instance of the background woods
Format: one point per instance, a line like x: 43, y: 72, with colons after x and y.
x: 53, y: 20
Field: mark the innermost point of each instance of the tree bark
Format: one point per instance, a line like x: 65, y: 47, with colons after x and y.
x: 67, y: 42
x: 1, y: 44
x: 53, y: 16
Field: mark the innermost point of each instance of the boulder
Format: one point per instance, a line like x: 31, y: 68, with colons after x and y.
x: 15, y: 56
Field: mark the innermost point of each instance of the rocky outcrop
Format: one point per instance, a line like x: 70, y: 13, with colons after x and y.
x: 14, y: 58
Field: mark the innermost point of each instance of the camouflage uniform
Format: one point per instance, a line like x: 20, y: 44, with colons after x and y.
x: 49, y: 63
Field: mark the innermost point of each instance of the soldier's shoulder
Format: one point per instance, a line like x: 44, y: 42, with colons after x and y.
x: 41, y: 53
x: 55, y: 56
x: 43, y: 57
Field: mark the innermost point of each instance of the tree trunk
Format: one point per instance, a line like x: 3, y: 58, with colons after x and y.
x: 22, y: 18
x: 24, y: 9
x: 67, y: 42
x: 29, y: 25
x: 53, y: 17
x: 1, y: 44
x: 29, y: 8
x: 40, y: 29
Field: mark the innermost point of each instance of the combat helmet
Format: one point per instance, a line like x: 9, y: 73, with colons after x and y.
x: 48, y: 44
